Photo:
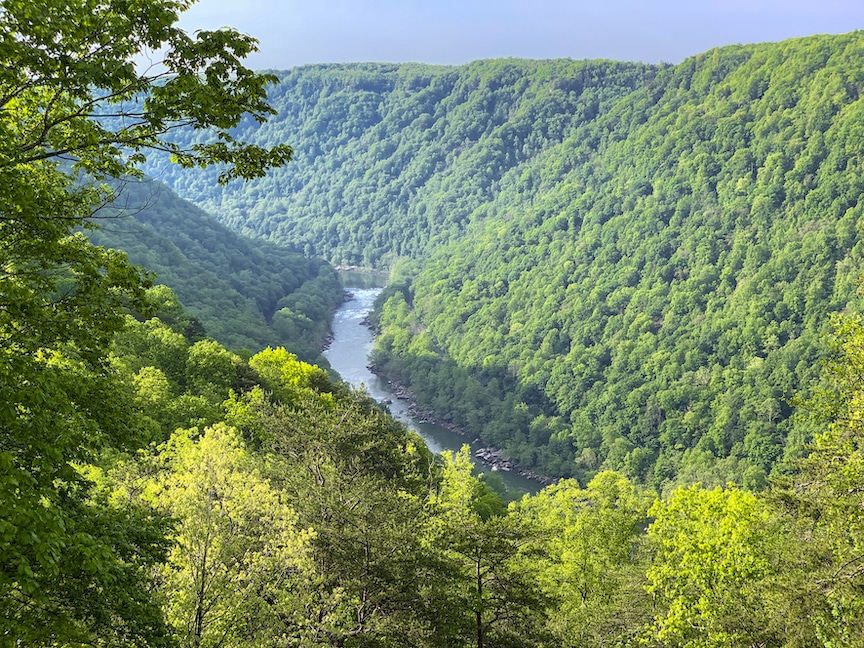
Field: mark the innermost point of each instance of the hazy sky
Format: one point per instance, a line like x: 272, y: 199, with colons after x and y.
x: 293, y: 33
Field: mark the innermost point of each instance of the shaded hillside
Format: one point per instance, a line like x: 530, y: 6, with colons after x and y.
x: 662, y: 300
x: 391, y: 160
x: 248, y: 294
x: 621, y: 266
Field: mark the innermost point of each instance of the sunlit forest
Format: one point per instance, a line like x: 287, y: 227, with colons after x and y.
x: 640, y: 280
x: 596, y: 265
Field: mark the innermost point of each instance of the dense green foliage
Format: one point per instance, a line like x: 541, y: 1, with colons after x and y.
x: 159, y: 490
x: 651, y: 294
x: 393, y: 159
x: 75, y: 569
x: 620, y: 266
x: 302, y: 514
x: 246, y: 294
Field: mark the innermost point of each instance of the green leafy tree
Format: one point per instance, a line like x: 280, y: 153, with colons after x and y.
x: 360, y: 479
x: 715, y: 548
x: 591, y: 563
x: 240, y: 566
x: 70, y: 92
x: 489, y: 573
x: 824, y: 500
x: 211, y: 370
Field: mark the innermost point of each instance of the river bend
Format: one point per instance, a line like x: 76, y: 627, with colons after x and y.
x: 349, y: 355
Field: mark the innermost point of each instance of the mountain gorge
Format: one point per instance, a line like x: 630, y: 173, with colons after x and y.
x: 620, y: 265
x: 635, y: 289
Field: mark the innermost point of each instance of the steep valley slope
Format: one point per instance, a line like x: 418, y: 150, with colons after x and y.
x: 620, y: 265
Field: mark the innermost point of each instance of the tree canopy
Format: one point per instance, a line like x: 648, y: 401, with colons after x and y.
x: 620, y: 266
x: 78, y: 107
x: 157, y: 489
x: 392, y: 160
x: 651, y: 294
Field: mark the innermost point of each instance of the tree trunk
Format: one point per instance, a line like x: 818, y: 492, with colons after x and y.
x: 479, y: 608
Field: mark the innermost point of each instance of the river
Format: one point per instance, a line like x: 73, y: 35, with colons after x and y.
x: 349, y: 355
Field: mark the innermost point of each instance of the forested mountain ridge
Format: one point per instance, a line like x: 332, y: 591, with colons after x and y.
x: 247, y: 294
x: 631, y: 266
x: 391, y: 160
x: 659, y: 304
x: 158, y: 491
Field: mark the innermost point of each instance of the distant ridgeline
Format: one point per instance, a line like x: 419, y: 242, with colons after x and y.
x: 622, y: 265
x: 393, y: 159
x: 247, y: 294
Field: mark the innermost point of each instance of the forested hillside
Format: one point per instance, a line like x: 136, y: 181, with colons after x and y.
x: 622, y: 266
x: 391, y: 160
x: 657, y: 305
x: 247, y: 294
x: 159, y: 491
x: 263, y: 501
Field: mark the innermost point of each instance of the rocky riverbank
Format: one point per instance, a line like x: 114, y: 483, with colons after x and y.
x: 490, y: 455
